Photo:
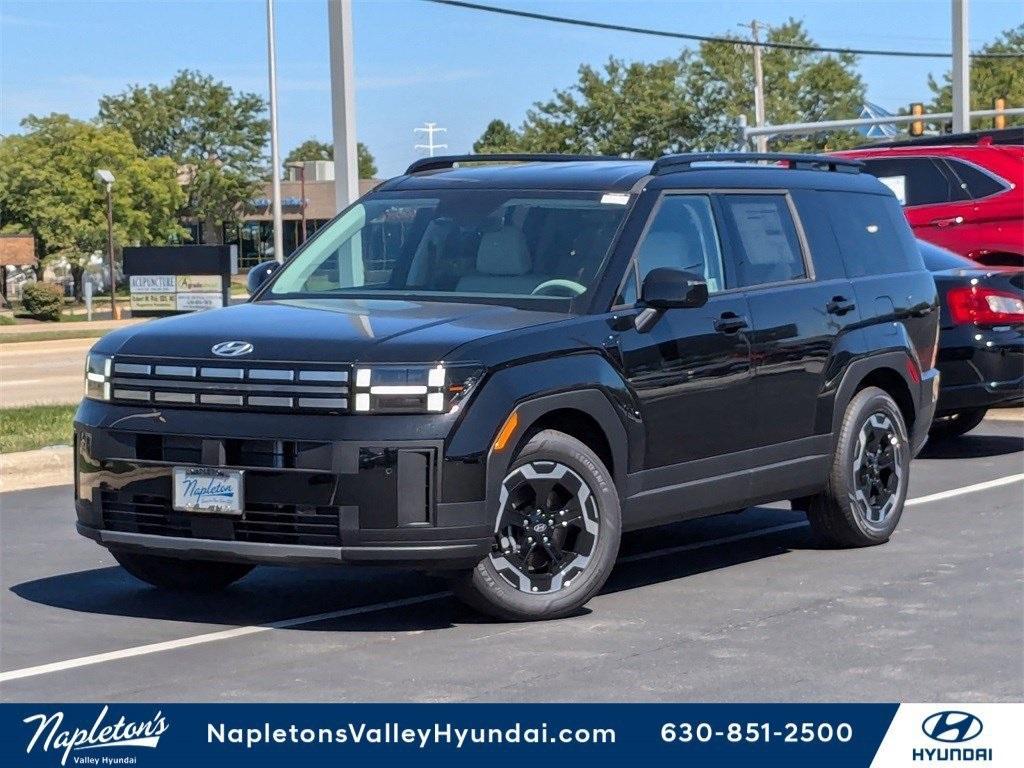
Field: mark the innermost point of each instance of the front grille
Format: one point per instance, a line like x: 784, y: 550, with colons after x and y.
x: 261, y: 522
x: 252, y: 385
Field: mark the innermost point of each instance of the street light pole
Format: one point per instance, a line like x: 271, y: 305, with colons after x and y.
x: 961, y: 77
x: 759, y: 111
x: 275, y: 152
x: 106, y: 178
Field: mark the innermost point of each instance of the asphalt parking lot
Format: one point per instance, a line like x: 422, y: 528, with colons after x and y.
x: 734, y: 608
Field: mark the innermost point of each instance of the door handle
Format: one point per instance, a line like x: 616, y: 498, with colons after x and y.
x: 840, y: 305
x: 950, y: 222
x: 730, y: 323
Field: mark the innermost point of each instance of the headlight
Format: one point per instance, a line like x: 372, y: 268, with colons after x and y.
x: 97, y: 376
x: 412, y: 389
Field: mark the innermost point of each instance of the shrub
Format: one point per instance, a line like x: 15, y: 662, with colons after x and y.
x: 43, y: 300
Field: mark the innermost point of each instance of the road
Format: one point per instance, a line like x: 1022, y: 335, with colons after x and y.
x: 734, y: 608
x: 38, y: 372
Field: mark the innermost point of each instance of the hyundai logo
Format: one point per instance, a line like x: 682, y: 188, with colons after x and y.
x: 232, y: 348
x: 951, y: 727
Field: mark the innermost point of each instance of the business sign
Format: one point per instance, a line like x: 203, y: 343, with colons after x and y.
x: 176, y: 293
x: 198, y: 283
x: 192, y: 302
x: 179, y: 278
x: 151, y: 284
x: 153, y: 302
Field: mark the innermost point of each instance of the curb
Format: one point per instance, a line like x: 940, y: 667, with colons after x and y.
x: 41, y: 468
x: 1005, y: 414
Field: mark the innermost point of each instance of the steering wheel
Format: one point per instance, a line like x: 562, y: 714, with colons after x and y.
x: 559, y: 287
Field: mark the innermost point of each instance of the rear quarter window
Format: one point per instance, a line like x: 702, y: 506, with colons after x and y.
x: 872, y: 233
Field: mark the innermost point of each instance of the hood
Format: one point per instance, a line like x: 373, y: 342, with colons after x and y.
x: 334, y: 330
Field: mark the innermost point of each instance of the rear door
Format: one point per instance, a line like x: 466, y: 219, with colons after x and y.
x: 797, y: 314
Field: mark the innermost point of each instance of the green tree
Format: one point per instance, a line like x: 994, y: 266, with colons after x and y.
x: 215, y: 135
x: 498, y: 137
x: 314, y: 149
x: 991, y: 79
x: 628, y: 109
x: 691, y: 102
x: 800, y: 86
x: 47, y: 189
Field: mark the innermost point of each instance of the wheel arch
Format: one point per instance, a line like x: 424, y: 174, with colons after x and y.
x: 890, y: 373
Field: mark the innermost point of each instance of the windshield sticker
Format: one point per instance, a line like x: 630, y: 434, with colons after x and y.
x: 614, y: 198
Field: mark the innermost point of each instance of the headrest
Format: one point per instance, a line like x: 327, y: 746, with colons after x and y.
x: 503, y: 252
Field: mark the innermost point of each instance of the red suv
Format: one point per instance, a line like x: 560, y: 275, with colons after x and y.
x: 962, y: 192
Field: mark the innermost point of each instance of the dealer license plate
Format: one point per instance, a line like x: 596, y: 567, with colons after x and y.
x: 208, y: 490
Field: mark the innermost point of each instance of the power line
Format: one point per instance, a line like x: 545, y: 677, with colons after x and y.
x: 710, y: 38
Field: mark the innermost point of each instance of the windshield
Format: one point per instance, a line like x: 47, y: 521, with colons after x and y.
x: 535, y: 247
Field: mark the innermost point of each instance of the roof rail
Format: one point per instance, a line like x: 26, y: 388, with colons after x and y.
x: 449, y: 161
x: 670, y: 163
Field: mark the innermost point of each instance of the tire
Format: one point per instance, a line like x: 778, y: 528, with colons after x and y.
x: 181, y: 575
x: 845, y: 514
x: 526, y: 579
x: 955, y: 424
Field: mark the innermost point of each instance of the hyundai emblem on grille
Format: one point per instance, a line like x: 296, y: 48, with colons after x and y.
x: 232, y: 348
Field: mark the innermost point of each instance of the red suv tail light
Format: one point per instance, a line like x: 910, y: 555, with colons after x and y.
x: 984, y: 306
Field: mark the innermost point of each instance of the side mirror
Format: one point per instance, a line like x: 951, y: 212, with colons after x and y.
x: 668, y: 288
x: 259, y: 274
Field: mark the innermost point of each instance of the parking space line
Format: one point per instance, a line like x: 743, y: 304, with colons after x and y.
x: 999, y: 481
x: 228, y: 634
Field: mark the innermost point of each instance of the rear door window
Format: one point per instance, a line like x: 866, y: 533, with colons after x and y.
x: 873, y: 235
x: 766, y: 242
x: 973, y: 180
x: 917, y: 180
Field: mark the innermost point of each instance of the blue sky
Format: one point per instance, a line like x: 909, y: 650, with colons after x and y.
x: 416, y: 61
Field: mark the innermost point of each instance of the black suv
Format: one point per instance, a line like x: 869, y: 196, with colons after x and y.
x: 493, y: 370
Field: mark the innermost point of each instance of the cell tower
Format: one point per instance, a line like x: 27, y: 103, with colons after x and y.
x: 430, y: 129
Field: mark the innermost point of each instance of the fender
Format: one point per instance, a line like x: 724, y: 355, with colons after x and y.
x: 896, y: 361
x: 585, y: 382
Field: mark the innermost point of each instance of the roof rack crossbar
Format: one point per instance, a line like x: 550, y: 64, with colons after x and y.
x: 669, y: 163
x: 450, y: 161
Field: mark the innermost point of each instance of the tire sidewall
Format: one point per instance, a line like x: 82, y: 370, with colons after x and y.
x: 512, y: 603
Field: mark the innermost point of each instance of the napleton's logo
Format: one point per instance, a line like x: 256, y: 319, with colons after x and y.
x: 52, y: 735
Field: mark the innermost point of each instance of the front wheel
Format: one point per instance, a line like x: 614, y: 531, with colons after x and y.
x: 867, y: 486
x: 181, y: 575
x: 556, y: 536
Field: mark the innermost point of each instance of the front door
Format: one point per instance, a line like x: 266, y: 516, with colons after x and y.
x: 692, y: 369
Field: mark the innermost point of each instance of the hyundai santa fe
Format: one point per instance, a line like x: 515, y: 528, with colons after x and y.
x: 492, y: 367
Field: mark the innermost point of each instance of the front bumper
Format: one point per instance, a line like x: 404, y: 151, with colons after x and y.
x: 318, y: 490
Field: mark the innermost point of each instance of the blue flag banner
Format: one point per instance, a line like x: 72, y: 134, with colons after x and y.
x: 833, y: 735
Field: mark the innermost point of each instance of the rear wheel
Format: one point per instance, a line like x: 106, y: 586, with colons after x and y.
x: 867, y: 485
x: 556, y: 537
x: 181, y: 575
x: 957, y: 423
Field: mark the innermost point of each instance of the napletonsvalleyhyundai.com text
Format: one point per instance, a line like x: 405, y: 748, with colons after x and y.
x: 438, y: 734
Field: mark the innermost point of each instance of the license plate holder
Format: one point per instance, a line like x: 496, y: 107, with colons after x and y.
x: 209, y: 490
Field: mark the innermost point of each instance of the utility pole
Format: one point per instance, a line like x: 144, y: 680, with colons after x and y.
x: 430, y: 129
x: 961, y: 68
x: 275, y: 150
x: 343, y: 102
x: 761, y: 142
